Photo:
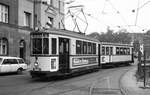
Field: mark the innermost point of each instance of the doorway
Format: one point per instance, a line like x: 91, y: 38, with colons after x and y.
x: 64, y: 55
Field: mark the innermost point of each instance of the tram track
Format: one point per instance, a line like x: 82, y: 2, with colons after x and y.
x: 62, y: 83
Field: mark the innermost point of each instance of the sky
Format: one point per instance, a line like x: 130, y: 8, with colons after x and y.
x: 115, y: 14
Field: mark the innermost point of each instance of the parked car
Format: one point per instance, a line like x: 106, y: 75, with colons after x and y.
x: 12, y: 64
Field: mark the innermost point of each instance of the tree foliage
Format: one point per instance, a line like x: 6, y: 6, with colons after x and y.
x: 122, y: 36
x: 148, y: 32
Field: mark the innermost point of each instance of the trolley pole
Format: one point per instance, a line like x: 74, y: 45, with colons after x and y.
x: 144, y: 69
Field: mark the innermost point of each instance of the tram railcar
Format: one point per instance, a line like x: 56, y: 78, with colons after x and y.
x: 58, y: 52
x: 115, y: 54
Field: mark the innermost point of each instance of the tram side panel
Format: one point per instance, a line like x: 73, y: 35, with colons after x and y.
x: 79, y: 61
x: 49, y: 64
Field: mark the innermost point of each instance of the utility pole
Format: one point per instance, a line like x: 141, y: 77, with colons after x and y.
x: 144, y: 69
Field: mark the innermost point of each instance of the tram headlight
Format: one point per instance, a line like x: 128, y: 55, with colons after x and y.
x: 53, y: 63
x: 36, y: 64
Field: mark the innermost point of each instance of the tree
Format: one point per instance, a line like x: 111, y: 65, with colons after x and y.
x: 121, y: 36
x: 148, y: 32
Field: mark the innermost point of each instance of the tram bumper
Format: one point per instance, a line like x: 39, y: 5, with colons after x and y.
x: 43, y: 74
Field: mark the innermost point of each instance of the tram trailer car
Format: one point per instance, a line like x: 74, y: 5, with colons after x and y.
x: 115, y: 54
x: 58, y: 52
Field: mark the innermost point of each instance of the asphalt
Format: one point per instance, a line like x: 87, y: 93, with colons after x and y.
x: 130, y: 86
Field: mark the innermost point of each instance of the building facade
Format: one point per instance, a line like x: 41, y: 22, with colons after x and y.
x: 20, y: 17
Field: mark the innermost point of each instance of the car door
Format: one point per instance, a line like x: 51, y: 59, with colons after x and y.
x: 22, y: 64
x: 5, y: 66
x: 14, y: 65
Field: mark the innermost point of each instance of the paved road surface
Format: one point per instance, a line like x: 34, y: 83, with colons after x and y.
x: 103, y: 82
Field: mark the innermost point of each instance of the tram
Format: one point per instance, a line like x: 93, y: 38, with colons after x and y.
x: 57, y: 52
x: 115, y: 54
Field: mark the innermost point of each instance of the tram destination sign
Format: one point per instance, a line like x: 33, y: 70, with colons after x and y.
x: 84, y: 61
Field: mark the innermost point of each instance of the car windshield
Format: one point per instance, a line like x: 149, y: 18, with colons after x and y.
x: 0, y: 60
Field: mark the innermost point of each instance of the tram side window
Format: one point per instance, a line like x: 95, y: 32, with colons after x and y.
x: 111, y: 50
x: 37, y: 46
x: 94, y: 48
x: 84, y: 47
x: 89, y: 48
x: 45, y: 46
x: 103, y: 50
x: 117, y: 51
x: 121, y: 51
x: 107, y: 50
x: 128, y: 51
x: 54, y: 45
x: 78, y: 47
x: 125, y: 51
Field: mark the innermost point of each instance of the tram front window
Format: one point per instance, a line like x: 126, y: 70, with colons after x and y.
x: 36, y: 46
x: 40, y: 46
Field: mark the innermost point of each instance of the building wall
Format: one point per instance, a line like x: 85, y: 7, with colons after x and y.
x: 25, y: 6
x: 43, y: 11
x: 13, y: 10
x: 15, y: 32
x: 14, y: 35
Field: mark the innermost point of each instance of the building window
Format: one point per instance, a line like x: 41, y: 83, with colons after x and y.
x: 3, y: 46
x: 3, y: 13
x: 27, y: 19
x: 59, y: 5
x: 50, y: 22
x: 35, y: 21
x: 50, y: 2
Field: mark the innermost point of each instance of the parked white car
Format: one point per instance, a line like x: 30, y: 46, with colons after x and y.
x: 12, y: 64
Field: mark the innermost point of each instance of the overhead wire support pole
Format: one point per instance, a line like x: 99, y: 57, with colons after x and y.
x: 137, y: 13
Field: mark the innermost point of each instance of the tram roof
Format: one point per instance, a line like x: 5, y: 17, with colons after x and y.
x: 67, y: 33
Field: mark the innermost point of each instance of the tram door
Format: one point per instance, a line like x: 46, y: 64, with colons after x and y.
x: 64, y: 55
x: 99, y: 55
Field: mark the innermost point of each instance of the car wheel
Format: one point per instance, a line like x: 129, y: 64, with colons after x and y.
x: 19, y: 71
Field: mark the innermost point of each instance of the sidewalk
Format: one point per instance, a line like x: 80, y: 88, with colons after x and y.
x: 130, y: 86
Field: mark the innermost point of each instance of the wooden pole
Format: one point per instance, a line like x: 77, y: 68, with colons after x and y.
x: 144, y: 69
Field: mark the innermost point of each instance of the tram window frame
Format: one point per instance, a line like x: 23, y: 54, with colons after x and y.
x: 94, y: 48
x: 128, y: 51
x: 38, y: 42
x: 45, y: 46
x: 84, y: 47
x: 89, y: 48
x: 117, y: 50
x: 125, y: 51
x: 103, y: 50
x: 107, y: 50
x: 36, y: 50
x: 121, y: 51
x: 54, y: 45
x: 78, y: 49
x: 111, y: 50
